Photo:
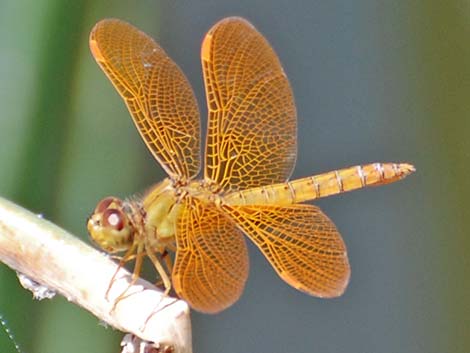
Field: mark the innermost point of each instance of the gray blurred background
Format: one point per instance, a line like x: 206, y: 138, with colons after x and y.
x: 373, y: 81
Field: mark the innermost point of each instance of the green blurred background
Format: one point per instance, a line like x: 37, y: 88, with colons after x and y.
x: 373, y: 80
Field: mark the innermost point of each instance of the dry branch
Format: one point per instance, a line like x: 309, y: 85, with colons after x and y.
x: 60, y: 261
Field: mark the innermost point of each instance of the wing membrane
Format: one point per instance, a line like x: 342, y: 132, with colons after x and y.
x: 158, y: 95
x: 301, y: 243
x: 211, y: 265
x: 251, y: 138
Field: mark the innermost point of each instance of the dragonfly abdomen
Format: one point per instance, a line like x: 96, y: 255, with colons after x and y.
x: 322, y: 185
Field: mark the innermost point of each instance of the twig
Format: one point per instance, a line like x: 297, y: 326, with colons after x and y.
x: 60, y: 261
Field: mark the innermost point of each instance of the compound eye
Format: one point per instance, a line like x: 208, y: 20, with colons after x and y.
x: 108, y: 202
x: 114, y: 219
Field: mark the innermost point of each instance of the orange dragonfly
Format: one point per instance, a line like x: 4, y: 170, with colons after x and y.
x: 249, y: 155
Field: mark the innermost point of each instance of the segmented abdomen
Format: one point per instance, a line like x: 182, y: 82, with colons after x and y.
x: 322, y: 185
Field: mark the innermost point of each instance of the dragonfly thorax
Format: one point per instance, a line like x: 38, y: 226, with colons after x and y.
x: 161, y: 208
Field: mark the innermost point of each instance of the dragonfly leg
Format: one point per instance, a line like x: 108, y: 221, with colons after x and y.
x: 161, y: 271
x: 135, y: 274
x: 168, y: 261
x: 128, y: 256
x: 164, y: 278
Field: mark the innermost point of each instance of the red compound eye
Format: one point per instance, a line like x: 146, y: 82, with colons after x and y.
x: 113, y: 218
x: 106, y: 203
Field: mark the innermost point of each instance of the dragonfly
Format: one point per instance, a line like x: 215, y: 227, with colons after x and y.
x: 250, y: 152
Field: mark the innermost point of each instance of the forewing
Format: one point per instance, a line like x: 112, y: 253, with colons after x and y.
x: 301, y: 243
x: 251, y: 137
x: 158, y: 95
x: 211, y: 265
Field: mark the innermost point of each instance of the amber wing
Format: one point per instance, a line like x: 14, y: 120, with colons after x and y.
x: 301, y: 243
x: 251, y: 137
x: 211, y: 264
x: 158, y: 95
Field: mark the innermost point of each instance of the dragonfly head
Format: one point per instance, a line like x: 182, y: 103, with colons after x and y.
x: 110, y: 226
